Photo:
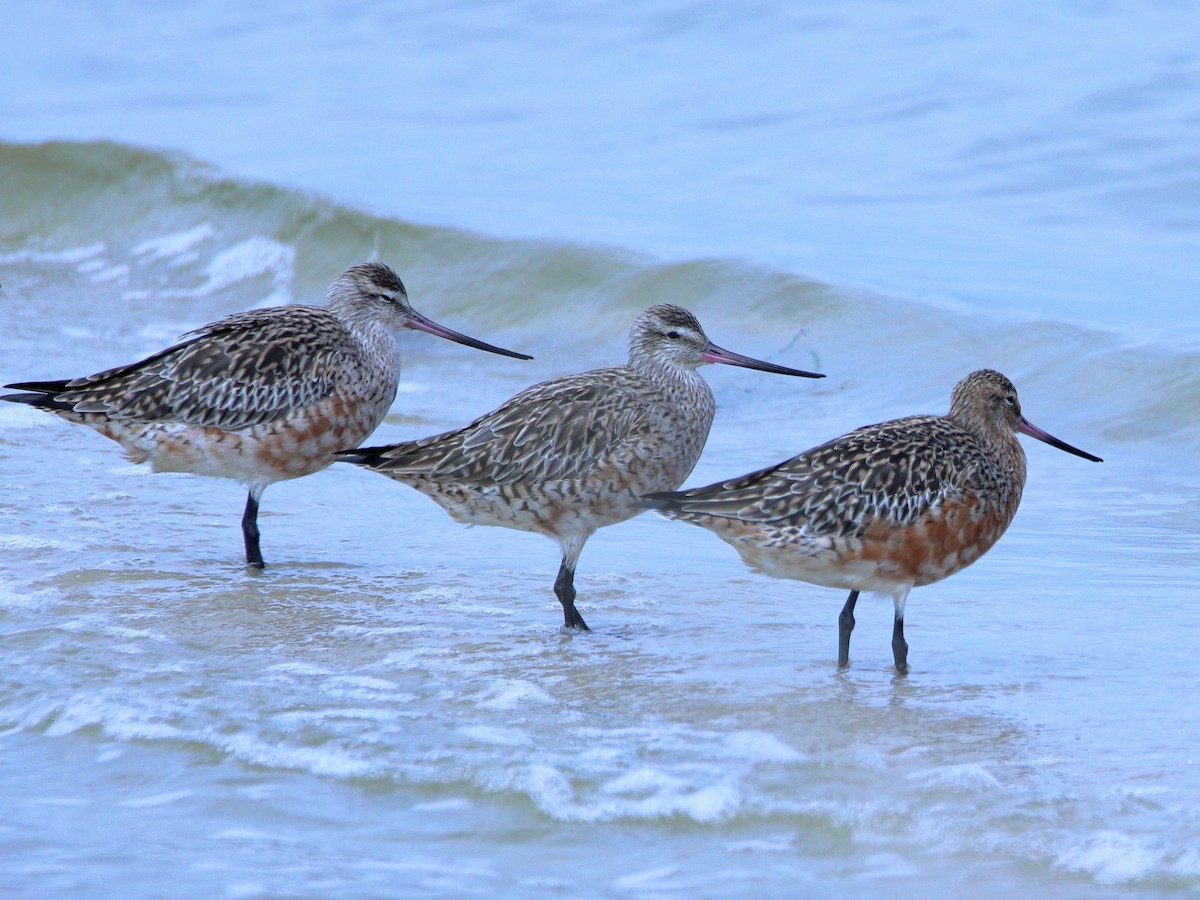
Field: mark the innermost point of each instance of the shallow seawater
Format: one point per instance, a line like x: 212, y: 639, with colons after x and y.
x: 391, y: 708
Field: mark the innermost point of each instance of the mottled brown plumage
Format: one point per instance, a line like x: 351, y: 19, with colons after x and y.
x: 224, y: 375
x: 571, y: 455
x: 884, y: 508
x: 258, y: 396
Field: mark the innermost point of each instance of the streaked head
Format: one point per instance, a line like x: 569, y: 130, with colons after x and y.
x: 986, y: 402
x: 372, y: 292
x: 669, y: 335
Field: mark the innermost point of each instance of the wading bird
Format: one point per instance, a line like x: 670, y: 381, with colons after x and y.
x: 568, y: 456
x: 258, y: 396
x: 885, y: 508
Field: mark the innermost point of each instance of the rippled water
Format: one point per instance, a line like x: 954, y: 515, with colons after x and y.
x: 1034, y: 157
x: 391, y: 709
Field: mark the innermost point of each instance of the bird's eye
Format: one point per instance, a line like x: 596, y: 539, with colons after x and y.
x: 673, y: 335
x: 386, y: 298
x: 1010, y: 399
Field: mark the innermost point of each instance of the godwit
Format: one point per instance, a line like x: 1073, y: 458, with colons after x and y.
x: 884, y: 508
x: 258, y: 396
x: 571, y: 455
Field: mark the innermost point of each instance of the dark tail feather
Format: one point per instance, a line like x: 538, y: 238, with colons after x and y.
x: 41, y: 387
x: 363, y: 456
x: 43, y: 395
x: 663, y: 500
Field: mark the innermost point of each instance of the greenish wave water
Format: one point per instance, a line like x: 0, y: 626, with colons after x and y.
x: 174, y: 241
x: 391, y: 708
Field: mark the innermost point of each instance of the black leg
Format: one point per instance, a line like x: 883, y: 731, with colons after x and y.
x: 899, y: 646
x: 564, y: 590
x: 250, y: 532
x: 845, y: 626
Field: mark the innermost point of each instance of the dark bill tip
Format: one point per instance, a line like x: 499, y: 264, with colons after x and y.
x: 1027, y: 427
x: 715, y: 354
x: 420, y: 323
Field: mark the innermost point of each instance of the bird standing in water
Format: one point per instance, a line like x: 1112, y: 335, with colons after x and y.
x: 258, y: 396
x: 570, y: 455
x: 885, y: 508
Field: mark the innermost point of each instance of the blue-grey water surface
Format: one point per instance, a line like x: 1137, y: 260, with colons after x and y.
x: 893, y: 194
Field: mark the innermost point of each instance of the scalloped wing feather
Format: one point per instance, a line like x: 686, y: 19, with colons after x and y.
x: 249, y: 368
x: 556, y: 430
x: 896, y: 472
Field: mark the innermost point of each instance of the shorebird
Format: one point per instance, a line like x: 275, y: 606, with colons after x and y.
x: 885, y: 508
x: 568, y: 456
x: 258, y: 396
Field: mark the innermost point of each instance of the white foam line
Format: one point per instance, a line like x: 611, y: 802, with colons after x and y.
x: 174, y: 244
x: 245, y: 260
x: 70, y: 255
x: 1111, y: 857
